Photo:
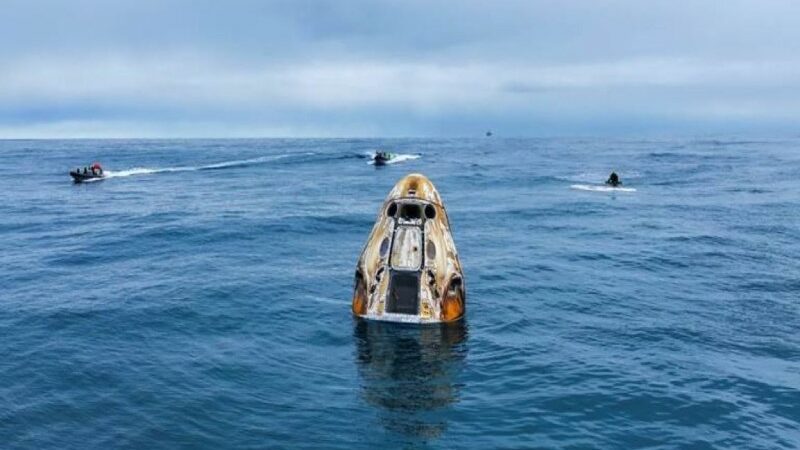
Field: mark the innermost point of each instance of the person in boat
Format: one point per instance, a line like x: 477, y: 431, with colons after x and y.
x: 613, y: 180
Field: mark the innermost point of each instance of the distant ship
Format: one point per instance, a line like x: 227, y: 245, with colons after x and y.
x: 489, y: 133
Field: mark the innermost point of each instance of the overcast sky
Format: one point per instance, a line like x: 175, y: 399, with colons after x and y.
x: 182, y: 68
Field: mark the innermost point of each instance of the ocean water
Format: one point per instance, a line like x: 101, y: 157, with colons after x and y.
x: 200, y: 296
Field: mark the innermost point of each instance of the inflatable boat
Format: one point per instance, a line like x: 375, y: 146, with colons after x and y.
x: 93, y: 172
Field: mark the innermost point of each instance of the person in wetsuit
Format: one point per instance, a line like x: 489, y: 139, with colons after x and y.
x: 613, y: 180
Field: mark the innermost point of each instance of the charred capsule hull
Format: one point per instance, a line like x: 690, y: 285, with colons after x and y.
x: 409, y: 269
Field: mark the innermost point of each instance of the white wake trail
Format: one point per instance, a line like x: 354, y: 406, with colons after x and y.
x: 599, y: 188
x: 220, y: 165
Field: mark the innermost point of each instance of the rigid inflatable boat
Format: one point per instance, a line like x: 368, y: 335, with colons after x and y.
x: 383, y: 158
x: 95, y: 171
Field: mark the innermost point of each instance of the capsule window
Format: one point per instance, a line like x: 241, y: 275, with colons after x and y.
x: 430, y: 250
x: 391, y: 210
x: 385, y: 246
x: 430, y: 212
x: 410, y: 211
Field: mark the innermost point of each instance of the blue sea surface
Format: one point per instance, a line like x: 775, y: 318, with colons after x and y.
x: 200, y: 296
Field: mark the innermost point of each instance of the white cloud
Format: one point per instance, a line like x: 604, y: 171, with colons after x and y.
x: 414, y: 65
x: 190, y: 81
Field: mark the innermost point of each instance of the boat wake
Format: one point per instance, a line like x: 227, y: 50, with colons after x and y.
x: 593, y: 177
x: 601, y: 188
x: 215, y: 166
x: 135, y: 171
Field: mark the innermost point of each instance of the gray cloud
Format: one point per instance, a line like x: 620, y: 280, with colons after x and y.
x: 179, y: 67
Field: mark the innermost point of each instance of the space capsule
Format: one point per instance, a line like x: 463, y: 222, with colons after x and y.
x: 409, y: 269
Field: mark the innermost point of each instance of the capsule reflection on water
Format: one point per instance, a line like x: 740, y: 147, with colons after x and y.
x: 409, y: 269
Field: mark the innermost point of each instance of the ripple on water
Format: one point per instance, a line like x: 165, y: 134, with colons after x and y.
x: 205, y: 308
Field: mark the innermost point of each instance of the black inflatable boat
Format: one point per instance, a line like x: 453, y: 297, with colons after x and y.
x: 381, y: 158
x: 79, y: 176
x: 93, y: 172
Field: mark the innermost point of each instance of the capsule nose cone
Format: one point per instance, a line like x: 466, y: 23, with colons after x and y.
x: 416, y: 185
